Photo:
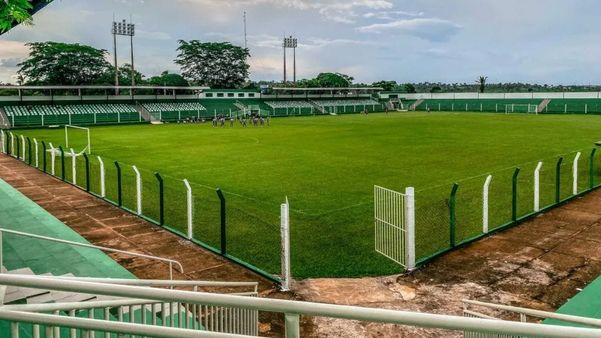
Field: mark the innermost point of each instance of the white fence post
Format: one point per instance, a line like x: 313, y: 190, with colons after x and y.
x: 485, y: 190
x: 138, y: 190
x: 12, y: 144
x: 575, y: 174
x: 410, y: 228
x: 74, y: 166
x: 537, y: 186
x: 102, y: 186
x: 2, y: 141
x: 52, y: 158
x: 23, y: 147
x: 37, y: 153
x: 189, y: 204
x: 285, y: 238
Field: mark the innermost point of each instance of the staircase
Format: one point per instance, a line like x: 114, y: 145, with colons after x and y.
x: 390, y: 105
x: 543, y: 105
x: 4, y: 121
x: 22, y: 295
x: 320, y: 108
x: 416, y: 104
x: 240, y: 106
x: 146, y: 115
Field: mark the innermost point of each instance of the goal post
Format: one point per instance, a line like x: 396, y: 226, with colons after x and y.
x: 521, y: 108
x: 81, y: 142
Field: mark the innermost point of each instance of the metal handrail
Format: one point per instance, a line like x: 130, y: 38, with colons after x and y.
x: 538, y: 313
x: 90, y: 246
x: 293, y: 309
x: 106, y: 326
x: 158, y: 282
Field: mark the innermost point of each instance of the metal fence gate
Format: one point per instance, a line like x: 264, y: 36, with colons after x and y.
x: 394, y: 222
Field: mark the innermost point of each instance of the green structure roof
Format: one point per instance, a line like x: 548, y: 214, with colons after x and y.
x: 19, y: 213
x: 587, y: 303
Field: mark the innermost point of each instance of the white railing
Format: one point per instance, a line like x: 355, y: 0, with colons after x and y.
x: 157, y: 313
x: 522, y: 313
x: 152, y: 312
x: 291, y: 309
x: 171, y: 262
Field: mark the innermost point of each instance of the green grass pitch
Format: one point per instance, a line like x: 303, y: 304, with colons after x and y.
x: 327, y: 167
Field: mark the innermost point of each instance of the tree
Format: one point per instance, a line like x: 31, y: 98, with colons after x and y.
x: 213, y: 64
x: 57, y: 63
x: 409, y: 88
x: 108, y: 77
x: 435, y: 89
x: 168, y: 79
x: 14, y: 11
x: 482, y: 83
x: 388, y: 86
x: 333, y: 80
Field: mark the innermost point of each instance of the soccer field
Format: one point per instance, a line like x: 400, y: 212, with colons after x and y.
x: 326, y: 166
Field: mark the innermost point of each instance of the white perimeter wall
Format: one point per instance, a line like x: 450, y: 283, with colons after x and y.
x: 566, y: 95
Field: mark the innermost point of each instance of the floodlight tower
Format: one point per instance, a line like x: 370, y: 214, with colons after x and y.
x: 292, y: 43
x: 125, y: 29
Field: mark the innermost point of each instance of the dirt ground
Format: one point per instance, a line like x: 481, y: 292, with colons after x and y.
x: 539, y: 264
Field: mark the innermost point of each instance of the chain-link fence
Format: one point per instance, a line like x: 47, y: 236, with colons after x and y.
x: 450, y: 215
x: 248, y: 230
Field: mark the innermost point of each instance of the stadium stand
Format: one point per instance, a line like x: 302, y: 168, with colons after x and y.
x: 219, y: 106
x: 43, y: 115
x: 350, y: 105
x: 175, y: 111
x: 291, y: 107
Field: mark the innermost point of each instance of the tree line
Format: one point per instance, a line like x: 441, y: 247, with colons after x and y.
x: 216, y: 65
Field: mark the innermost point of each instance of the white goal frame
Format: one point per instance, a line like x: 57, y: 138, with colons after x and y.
x: 88, y: 148
x: 530, y: 108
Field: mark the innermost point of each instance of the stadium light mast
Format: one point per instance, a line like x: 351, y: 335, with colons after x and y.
x: 290, y: 42
x: 125, y: 29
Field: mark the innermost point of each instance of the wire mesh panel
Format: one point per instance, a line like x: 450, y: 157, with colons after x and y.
x: 389, y: 222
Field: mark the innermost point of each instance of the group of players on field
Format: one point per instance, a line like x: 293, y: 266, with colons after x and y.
x: 253, y: 119
x: 221, y: 120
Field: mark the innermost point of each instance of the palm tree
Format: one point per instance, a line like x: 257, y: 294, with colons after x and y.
x: 482, y: 82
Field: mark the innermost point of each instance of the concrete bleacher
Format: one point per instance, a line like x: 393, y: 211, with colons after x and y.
x: 19, y: 213
x: 350, y: 105
x: 291, y: 107
x: 43, y: 115
x: 175, y: 111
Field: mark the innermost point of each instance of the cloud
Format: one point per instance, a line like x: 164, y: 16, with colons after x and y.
x: 342, y: 11
x: 391, y: 15
x: 432, y: 29
x: 161, y: 36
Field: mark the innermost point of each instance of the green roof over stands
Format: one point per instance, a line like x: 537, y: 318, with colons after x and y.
x: 19, y: 213
x: 587, y: 303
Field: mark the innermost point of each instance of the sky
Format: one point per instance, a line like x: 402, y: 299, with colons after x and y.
x: 536, y: 41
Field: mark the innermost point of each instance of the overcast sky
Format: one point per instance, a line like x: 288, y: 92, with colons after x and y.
x: 543, y: 41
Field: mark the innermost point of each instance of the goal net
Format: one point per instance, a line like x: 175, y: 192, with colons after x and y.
x: 77, y: 141
x: 521, y: 108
